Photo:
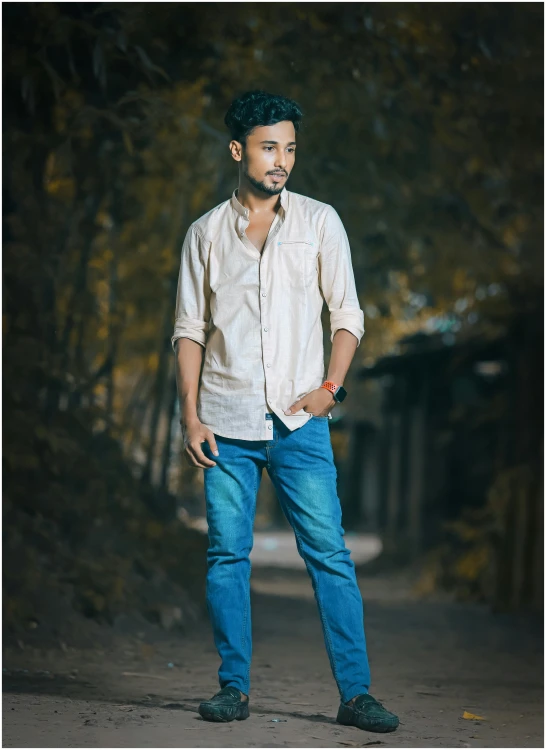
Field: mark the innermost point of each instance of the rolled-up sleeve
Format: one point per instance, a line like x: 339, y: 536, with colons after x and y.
x: 337, y: 279
x: 192, y: 313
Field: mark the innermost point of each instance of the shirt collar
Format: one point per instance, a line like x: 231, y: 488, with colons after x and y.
x: 242, y: 211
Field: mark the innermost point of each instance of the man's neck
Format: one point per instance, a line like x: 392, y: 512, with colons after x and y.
x: 257, y: 203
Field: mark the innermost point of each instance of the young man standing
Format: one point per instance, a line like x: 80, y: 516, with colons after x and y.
x: 254, y: 274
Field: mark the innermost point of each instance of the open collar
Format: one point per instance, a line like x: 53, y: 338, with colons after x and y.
x: 245, y: 213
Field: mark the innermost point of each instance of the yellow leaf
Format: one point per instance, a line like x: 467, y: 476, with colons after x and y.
x: 467, y: 715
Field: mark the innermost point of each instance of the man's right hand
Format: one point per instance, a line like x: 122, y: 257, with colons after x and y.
x: 196, y: 434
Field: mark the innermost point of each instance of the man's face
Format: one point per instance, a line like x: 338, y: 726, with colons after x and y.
x: 269, y: 156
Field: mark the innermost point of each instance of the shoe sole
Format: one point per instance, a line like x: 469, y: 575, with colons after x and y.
x: 346, y: 716
x: 224, y: 713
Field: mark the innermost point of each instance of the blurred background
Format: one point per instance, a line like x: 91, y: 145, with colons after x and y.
x: 424, y: 129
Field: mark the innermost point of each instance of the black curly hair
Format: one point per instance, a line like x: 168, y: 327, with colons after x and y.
x: 256, y: 108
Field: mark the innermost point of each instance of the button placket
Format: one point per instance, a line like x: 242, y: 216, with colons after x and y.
x: 265, y: 339
x: 264, y: 317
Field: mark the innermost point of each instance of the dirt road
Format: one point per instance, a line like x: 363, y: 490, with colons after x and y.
x: 430, y: 660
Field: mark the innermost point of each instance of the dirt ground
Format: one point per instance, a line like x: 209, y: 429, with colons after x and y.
x: 431, y: 661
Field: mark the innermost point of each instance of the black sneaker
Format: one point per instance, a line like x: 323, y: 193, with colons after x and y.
x: 368, y: 714
x: 226, y: 705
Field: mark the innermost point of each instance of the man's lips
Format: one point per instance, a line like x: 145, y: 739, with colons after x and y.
x: 278, y: 175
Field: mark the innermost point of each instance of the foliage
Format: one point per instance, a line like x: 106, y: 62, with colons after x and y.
x: 77, y: 525
x: 475, y: 557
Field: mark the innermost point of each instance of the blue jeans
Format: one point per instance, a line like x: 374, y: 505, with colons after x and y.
x: 302, y: 470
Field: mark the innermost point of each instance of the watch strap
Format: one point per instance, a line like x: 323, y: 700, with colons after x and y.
x: 332, y: 387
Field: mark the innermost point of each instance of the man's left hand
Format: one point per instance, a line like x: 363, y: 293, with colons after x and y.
x: 318, y: 403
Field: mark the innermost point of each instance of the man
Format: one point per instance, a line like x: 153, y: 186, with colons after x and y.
x: 254, y: 273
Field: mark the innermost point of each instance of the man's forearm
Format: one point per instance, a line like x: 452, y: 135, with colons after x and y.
x: 189, y: 358
x: 344, y: 345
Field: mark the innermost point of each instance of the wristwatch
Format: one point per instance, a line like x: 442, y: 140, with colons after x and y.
x: 337, y: 391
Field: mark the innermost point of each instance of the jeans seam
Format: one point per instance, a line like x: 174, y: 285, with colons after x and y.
x: 249, y: 574
x: 321, y: 611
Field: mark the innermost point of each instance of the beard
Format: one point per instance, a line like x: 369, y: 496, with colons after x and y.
x: 261, y: 186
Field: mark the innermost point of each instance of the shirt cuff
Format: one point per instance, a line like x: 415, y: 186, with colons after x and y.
x: 352, y: 320
x: 196, y: 330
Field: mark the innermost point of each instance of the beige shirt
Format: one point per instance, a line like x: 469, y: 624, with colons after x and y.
x: 258, y: 315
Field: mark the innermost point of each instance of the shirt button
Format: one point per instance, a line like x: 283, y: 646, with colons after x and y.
x: 268, y: 365
x: 264, y: 294
x: 269, y: 427
x: 266, y: 329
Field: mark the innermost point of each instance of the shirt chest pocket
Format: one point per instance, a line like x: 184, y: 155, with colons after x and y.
x: 298, y: 262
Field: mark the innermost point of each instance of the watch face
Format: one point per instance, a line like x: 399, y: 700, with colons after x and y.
x: 340, y: 394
